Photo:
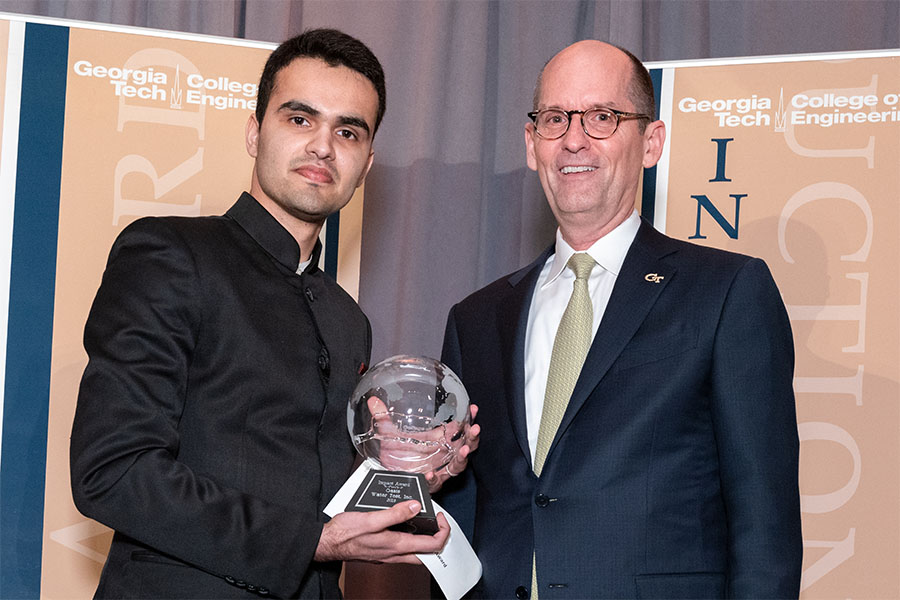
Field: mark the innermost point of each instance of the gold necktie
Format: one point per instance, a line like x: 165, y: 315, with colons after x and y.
x: 573, y: 340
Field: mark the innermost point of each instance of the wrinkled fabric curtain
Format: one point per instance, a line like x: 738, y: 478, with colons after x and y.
x: 450, y: 205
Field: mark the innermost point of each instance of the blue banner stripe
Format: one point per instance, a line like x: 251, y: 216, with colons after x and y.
x: 648, y: 190
x: 32, y: 283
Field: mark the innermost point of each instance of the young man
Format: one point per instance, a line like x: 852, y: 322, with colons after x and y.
x: 210, y: 430
x: 635, y: 391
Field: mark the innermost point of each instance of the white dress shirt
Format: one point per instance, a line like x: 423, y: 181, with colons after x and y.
x: 303, y: 264
x: 551, y: 296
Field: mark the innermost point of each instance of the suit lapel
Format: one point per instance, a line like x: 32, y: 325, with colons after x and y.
x: 513, y: 325
x: 643, y: 277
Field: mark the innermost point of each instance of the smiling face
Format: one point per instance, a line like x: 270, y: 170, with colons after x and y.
x: 314, y: 146
x: 591, y: 184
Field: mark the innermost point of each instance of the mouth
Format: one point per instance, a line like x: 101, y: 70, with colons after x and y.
x: 576, y: 169
x: 315, y: 174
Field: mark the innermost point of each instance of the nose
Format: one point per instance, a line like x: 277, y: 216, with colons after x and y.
x: 321, y: 143
x: 575, y: 138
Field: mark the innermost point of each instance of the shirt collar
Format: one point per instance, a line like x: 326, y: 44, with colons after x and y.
x: 609, y: 251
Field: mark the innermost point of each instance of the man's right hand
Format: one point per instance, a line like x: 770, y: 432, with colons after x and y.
x: 365, y: 536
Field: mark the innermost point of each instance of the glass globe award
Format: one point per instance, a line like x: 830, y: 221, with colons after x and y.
x: 407, y: 416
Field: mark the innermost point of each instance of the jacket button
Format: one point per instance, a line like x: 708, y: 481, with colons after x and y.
x: 263, y: 591
x: 309, y: 294
x: 229, y: 579
x: 323, y: 360
x: 542, y: 501
x: 240, y: 583
x: 521, y: 593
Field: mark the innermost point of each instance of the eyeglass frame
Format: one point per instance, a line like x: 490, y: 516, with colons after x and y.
x: 620, y: 115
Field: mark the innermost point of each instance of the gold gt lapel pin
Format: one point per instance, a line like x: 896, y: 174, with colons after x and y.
x: 653, y: 277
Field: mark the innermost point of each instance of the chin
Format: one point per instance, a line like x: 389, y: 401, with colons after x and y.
x: 575, y: 206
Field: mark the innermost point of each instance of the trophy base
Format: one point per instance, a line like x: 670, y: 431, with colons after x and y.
x: 383, y: 489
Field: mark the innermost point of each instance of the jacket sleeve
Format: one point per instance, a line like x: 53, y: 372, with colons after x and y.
x: 755, y: 423
x: 458, y: 494
x: 140, y: 335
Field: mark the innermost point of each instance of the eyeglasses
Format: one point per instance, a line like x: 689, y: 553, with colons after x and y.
x: 598, y: 123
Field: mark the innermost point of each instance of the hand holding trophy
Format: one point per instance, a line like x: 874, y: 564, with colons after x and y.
x: 408, y: 416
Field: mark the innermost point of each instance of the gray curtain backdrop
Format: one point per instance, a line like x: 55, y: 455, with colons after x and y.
x: 450, y: 205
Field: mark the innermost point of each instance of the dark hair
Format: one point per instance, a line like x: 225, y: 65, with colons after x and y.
x: 330, y: 45
x: 640, y: 88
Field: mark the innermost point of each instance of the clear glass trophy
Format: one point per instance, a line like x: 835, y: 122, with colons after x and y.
x: 407, y: 416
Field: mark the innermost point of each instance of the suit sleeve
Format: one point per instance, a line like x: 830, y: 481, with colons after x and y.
x: 458, y: 494
x: 755, y: 423
x: 140, y: 335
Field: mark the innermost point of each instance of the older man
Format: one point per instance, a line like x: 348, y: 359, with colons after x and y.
x: 635, y: 391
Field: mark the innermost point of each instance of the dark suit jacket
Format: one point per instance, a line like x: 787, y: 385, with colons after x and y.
x: 210, y: 429
x: 674, y: 471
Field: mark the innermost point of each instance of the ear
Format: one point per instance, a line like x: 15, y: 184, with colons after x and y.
x: 365, y: 171
x: 654, y: 138
x: 251, y: 135
x: 529, y: 147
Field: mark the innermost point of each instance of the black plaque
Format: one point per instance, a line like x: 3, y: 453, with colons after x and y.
x: 384, y: 489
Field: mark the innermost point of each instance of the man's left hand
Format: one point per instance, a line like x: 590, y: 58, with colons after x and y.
x: 456, y: 466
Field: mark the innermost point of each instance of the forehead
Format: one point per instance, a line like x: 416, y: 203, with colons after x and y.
x: 336, y: 90
x: 587, y: 75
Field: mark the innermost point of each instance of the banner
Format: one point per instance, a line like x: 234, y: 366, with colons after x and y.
x: 100, y: 126
x: 797, y: 160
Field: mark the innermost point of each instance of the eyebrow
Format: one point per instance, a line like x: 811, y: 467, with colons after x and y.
x: 611, y: 104
x: 297, y: 106
x: 354, y: 121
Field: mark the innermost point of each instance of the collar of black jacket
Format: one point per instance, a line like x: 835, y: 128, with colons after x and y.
x: 268, y: 233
